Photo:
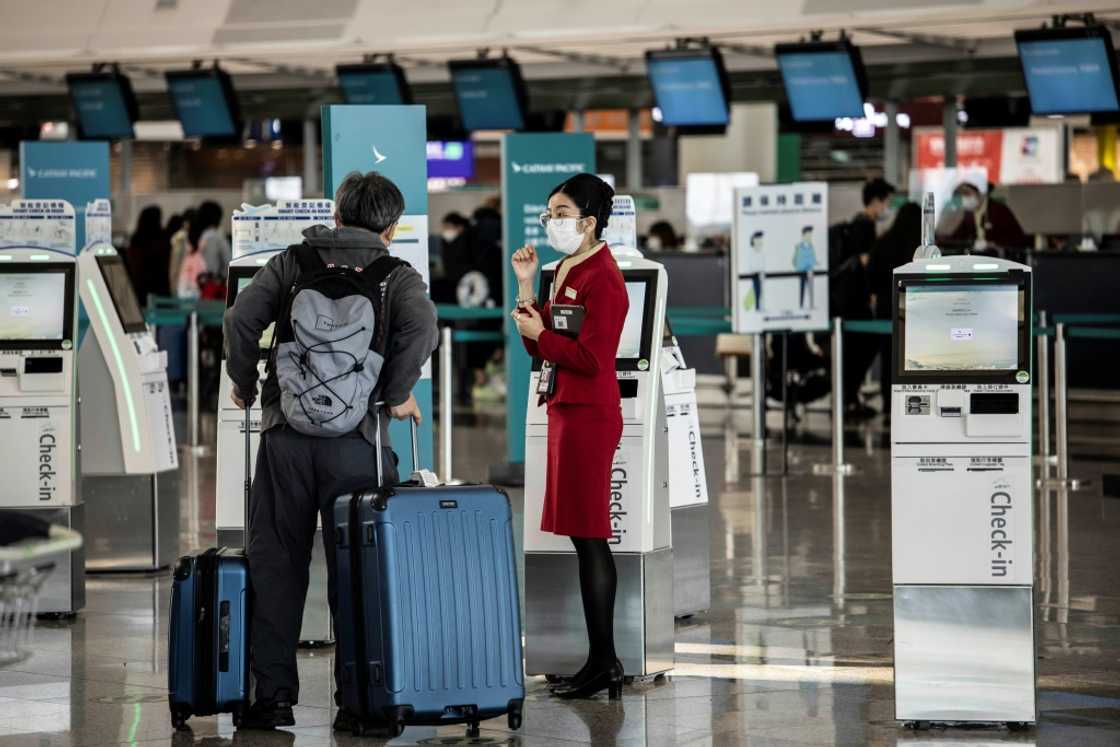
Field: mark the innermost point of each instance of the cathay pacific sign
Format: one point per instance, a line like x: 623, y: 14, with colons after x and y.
x: 548, y: 168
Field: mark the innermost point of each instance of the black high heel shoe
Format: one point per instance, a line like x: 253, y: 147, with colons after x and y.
x: 609, y: 679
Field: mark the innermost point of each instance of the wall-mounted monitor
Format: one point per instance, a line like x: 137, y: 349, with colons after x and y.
x: 104, y: 104
x: 823, y: 80
x: 490, y: 92
x: 205, y: 103
x: 450, y: 159
x: 36, y: 306
x: 121, y: 292
x: 691, y: 88
x: 1069, y: 70
x: 373, y: 83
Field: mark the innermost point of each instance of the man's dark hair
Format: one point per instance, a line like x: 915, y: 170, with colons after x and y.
x: 593, y: 196
x: 456, y: 219
x: 877, y: 189
x: 368, y: 201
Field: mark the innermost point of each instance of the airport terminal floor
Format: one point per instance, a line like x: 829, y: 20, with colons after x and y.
x: 796, y: 650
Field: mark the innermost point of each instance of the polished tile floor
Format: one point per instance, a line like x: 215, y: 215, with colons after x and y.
x: 795, y: 651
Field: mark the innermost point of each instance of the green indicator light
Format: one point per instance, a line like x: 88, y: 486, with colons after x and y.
x: 120, y: 364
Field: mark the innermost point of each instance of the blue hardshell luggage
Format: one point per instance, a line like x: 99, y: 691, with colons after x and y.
x: 429, y: 617
x: 208, y: 649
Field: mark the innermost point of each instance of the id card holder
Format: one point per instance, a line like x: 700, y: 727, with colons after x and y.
x: 546, y: 384
x: 567, y: 319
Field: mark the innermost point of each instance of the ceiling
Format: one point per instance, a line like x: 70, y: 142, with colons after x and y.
x: 579, y: 53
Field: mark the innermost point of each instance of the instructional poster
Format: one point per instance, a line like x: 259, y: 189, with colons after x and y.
x: 45, y: 224
x: 780, y: 258
x: 272, y: 228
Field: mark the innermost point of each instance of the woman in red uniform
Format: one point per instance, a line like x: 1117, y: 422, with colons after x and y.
x: 584, y: 412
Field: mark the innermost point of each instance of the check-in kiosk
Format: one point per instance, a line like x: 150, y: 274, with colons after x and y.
x: 129, y: 453
x: 555, y: 632
x: 38, y: 385
x: 259, y: 233
x: 688, y: 484
x: 961, y: 492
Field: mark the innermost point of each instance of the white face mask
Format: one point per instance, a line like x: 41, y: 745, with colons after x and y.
x: 970, y: 202
x: 563, y: 235
x: 449, y: 236
x: 653, y: 243
x: 886, y: 216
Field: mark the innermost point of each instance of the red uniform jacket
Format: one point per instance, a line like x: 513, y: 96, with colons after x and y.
x: 585, y: 365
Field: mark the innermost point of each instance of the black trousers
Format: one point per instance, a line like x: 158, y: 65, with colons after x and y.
x: 297, y: 480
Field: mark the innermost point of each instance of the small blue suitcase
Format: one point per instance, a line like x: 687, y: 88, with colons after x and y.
x: 208, y: 651
x: 429, y: 617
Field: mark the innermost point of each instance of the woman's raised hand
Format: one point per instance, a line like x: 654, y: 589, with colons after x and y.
x: 525, y: 263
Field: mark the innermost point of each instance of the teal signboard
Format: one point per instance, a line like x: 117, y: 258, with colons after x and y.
x: 77, y: 172
x: 391, y: 140
x: 532, y: 165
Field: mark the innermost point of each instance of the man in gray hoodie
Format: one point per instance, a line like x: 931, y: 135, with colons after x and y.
x: 299, y: 476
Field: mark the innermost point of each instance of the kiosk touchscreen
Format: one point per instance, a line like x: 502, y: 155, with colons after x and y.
x: 962, y: 493
x: 259, y: 234
x: 554, y: 625
x: 38, y: 403
x: 129, y: 452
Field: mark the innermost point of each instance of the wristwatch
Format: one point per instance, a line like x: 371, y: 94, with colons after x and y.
x: 526, y: 301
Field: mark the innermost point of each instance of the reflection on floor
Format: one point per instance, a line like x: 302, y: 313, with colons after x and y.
x: 796, y: 650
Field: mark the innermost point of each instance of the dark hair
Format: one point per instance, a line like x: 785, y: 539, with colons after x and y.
x: 592, y: 196
x: 209, y: 215
x: 174, y: 223
x: 757, y: 235
x: 806, y: 228
x: 368, y: 201
x: 877, y: 189
x: 455, y: 218
x: 149, y: 226
x: 663, y: 230
x: 906, y: 231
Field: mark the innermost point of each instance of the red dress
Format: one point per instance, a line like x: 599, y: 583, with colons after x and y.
x: 584, y: 411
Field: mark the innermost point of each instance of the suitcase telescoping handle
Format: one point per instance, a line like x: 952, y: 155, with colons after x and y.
x: 248, y: 473
x: 378, y: 407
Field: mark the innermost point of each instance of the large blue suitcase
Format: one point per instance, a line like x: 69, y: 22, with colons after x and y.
x: 429, y: 618
x: 208, y: 649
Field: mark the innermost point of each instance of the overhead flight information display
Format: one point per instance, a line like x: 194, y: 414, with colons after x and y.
x: 32, y: 305
x: 104, y: 103
x: 822, y: 81
x: 490, y: 94
x: 205, y: 103
x: 688, y: 87
x: 961, y: 328
x: 373, y: 84
x: 1069, y: 75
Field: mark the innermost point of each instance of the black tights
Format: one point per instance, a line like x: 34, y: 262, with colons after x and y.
x: 597, y: 583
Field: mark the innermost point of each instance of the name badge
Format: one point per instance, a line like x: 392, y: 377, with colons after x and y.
x: 570, y: 292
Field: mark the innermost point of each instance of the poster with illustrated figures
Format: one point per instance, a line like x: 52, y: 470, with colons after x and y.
x: 780, y: 258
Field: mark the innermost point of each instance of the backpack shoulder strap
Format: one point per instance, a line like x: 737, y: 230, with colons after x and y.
x: 307, y: 258
x: 381, y: 268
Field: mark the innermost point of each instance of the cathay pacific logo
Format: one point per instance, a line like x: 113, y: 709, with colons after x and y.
x: 377, y: 156
x: 547, y: 168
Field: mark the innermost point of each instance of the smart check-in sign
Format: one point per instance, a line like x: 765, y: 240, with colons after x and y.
x: 533, y: 164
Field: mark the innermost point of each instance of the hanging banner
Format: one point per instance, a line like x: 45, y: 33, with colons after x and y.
x: 43, y: 224
x: 779, y: 258
x: 533, y: 164
x: 77, y: 172
x: 392, y: 140
x: 273, y: 228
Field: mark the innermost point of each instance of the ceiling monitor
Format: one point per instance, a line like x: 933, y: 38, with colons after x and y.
x: 691, y: 88
x: 205, y: 103
x: 1070, y: 70
x: 373, y: 83
x: 823, y: 81
x: 490, y: 92
x: 104, y: 103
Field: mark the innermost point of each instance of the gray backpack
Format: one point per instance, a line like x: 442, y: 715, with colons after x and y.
x: 329, y: 344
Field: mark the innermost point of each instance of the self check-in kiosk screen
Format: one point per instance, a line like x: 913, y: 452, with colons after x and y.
x: 35, y: 308
x: 630, y: 344
x: 240, y: 277
x: 120, y: 290
x: 952, y: 328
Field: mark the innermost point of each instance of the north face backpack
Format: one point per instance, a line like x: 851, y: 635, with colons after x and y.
x: 329, y: 345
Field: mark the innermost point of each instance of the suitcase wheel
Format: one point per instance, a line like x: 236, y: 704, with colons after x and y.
x: 473, y: 730
x: 513, y: 717
x: 236, y: 713
x: 179, y: 719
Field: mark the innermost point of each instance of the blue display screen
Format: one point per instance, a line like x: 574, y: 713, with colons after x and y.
x: 1067, y: 76
x: 101, y: 108
x: 821, y: 85
x: 487, y: 98
x: 201, y: 103
x: 450, y: 159
x: 370, y: 87
x: 688, y: 91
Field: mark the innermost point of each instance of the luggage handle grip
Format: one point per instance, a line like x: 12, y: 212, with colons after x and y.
x: 378, y: 408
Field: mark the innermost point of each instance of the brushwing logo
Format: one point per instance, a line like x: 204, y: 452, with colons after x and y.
x: 377, y: 156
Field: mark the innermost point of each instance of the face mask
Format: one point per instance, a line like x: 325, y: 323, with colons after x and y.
x: 886, y: 216
x: 563, y: 235
x: 653, y: 243
x: 449, y: 236
x: 970, y: 202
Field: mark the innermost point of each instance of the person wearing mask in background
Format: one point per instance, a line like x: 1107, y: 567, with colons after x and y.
x: 584, y: 416
x: 662, y: 237
x: 179, y: 250
x: 893, y: 249
x: 147, y: 255
x: 982, y: 223
x: 206, y: 234
x: 299, y: 476
x: 455, y: 249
